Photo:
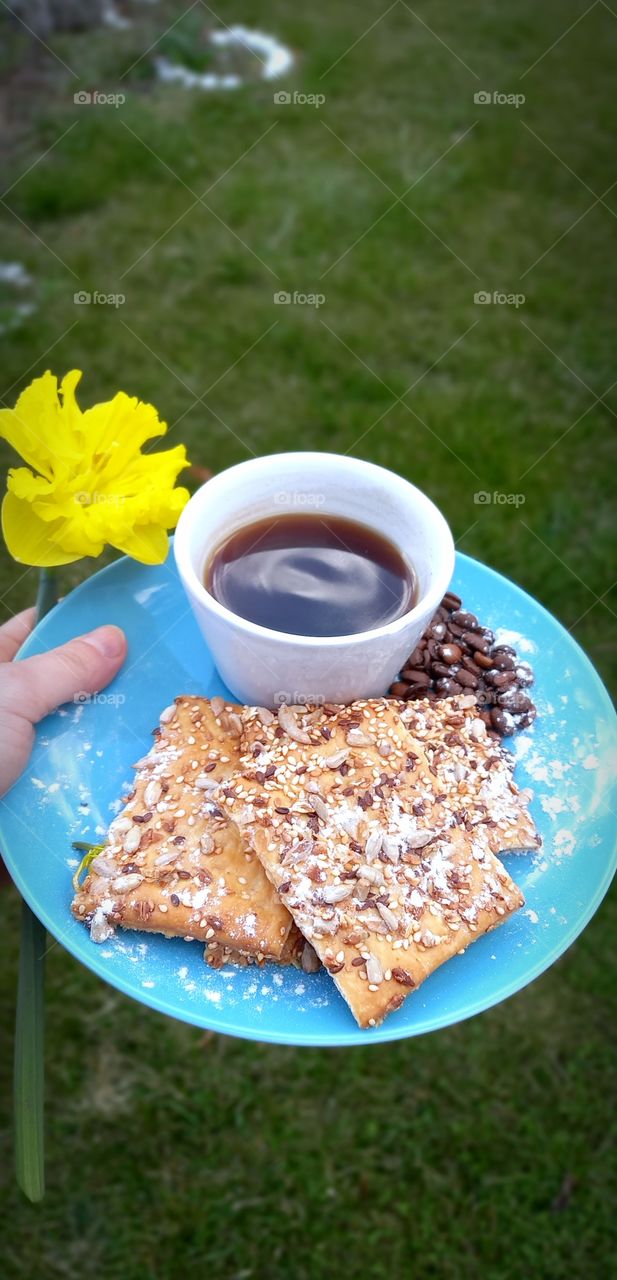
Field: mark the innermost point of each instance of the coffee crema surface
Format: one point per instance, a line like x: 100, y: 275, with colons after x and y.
x: 311, y: 575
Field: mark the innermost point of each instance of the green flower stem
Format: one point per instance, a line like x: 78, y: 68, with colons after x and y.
x: 30, y: 1058
x: 29, y: 1079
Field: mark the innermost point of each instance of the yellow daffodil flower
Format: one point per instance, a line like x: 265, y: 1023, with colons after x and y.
x: 90, y: 484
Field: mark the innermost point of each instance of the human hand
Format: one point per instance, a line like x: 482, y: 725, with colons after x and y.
x: 32, y: 688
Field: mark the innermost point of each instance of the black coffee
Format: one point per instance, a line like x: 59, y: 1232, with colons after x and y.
x: 311, y: 575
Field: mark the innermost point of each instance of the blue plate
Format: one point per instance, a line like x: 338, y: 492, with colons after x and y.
x: 82, y: 762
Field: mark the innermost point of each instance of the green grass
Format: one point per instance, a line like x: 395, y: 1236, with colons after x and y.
x: 442, y: 1157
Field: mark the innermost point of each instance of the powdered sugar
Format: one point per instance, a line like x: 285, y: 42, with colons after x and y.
x: 520, y: 642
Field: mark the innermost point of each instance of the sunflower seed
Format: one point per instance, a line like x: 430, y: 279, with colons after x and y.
x: 336, y: 892
x: 390, y: 850
x: 205, y: 783
x: 123, y: 884
x: 206, y: 843
x: 119, y: 827
x: 218, y: 705
x: 357, y: 738
x: 132, y: 840
x: 299, y: 851
x: 319, y: 807
x: 338, y: 758
x: 384, y: 747
x: 348, y: 822
x: 168, y: 714
x: 232, y: 724
x: 378, y: 926
x: 288, y: 722
x: 388, y: 917
x: 165, y: 858
x: 373, y: 874
x: 264, y: 715
x: 104, y: 866
x: 373, y: 845
x: 418, y: 839
x: 374, y: 971
x: 152, y: 792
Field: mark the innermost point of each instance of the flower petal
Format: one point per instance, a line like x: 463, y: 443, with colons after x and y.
x: 24, y: 484
x: 29, y: 427
x: 29, y: 539
x: 114, y: 431
x: 71, y: 412
x: 147, y: 543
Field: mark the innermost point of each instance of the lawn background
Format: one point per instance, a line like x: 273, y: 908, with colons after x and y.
x: 484, y: 1149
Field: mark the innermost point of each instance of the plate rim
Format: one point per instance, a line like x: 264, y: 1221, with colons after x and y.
x: 356, y: 1035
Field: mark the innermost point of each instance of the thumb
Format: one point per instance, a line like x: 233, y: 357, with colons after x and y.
x: 85, y: 665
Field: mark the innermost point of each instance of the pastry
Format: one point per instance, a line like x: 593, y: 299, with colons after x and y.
x: 174, y: 863
x: 386, y: 874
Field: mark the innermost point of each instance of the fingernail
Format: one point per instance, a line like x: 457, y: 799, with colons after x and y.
x: 108, y: 641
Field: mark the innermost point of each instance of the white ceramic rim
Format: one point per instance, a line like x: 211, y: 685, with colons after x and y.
x: 388, y: 479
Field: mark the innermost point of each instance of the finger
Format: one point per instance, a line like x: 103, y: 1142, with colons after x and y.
x: 38, y: 685
x: 14, y: 632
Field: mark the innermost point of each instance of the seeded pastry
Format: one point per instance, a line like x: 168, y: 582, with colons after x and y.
x: 173, y: 862
x: 349, y: 817
x: 469, y: 766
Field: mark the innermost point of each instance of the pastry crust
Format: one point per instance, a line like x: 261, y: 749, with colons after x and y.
x: 174, y: 862
x: 474, y: 771
x: 387, y: 870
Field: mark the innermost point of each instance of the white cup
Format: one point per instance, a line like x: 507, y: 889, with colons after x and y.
x: 266, y: 667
